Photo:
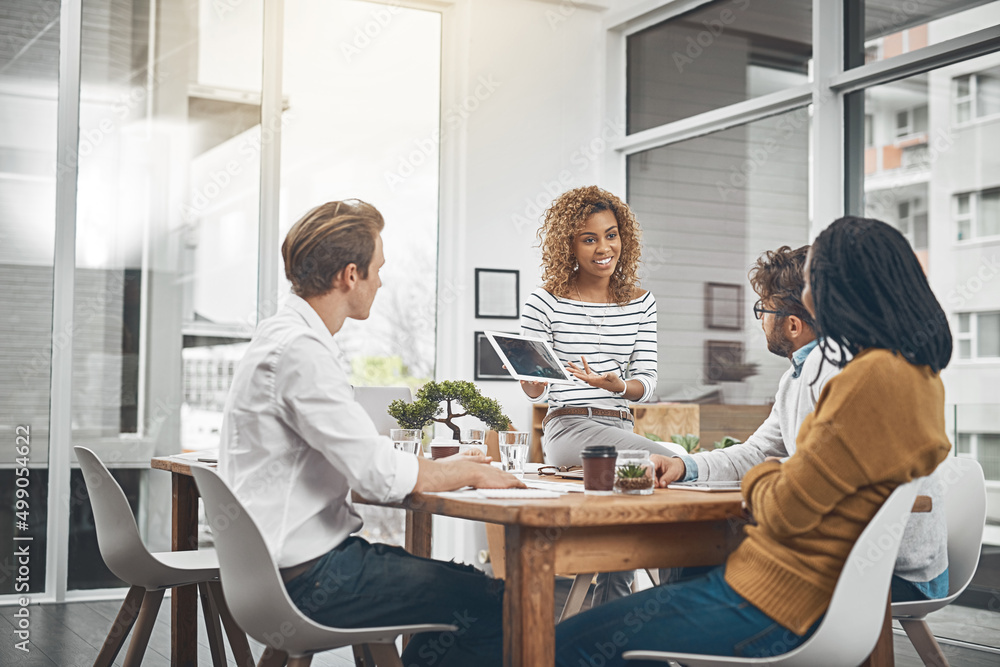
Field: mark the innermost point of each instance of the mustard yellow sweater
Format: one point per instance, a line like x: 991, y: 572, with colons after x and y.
x: 878, y: 424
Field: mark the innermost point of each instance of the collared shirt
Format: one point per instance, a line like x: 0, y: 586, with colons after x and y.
x: 799, y: 356
x: 796, y: 397
x: 295, y: 442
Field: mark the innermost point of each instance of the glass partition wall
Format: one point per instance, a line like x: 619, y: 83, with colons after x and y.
x: 156, y: 249
x: 754, y: 125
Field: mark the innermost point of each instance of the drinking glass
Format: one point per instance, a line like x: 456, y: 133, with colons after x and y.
x: 472, y: 436
x: 514, y: 450
x: 407, y: 440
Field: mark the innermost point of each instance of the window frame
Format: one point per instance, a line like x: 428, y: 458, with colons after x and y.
x: 972, y: 217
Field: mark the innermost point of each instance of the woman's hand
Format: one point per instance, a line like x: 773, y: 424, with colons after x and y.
x: 533, y: 389
x: 609, y: 381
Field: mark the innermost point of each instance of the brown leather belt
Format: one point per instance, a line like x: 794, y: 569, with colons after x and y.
x: 586, y: 412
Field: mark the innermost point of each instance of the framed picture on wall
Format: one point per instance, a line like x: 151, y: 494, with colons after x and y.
x: 488, y: 365
x: 723, y: 306
x: 497, y: 294
x: 724, y: 362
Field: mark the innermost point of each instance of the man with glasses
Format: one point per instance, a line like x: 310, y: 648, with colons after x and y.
x: 790, y: 332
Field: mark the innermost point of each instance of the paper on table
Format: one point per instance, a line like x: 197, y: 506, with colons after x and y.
x: 561, y: 487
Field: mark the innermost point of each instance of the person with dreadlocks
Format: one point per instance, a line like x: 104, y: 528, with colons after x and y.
x: 878, y: 424
x: 602, y: 327
x: 777, y: 277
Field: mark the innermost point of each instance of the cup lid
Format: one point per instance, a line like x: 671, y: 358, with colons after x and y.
x: 598, y: 451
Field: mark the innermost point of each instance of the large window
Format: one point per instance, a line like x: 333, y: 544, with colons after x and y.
x: 709, y: 206
x: 719, y: 54
x: 902, y: 126
x: 164, y: 194
x: 28, y: 111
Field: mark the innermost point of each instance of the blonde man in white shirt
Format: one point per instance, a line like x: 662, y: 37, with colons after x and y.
x: 295, y: 444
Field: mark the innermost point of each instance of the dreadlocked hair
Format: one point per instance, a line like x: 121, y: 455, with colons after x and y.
x: 869, y: 290
x: 562, y: 222
x: 777, y: 278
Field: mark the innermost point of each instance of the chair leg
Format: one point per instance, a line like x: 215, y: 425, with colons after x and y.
x: 272, y: 657
x: 303, y: 661
x: 385, y: 655
x: 923, y: 641
x: 120, y: 628
x: 577, y: 596
x: 237, y: 638
x: 216, y: 645
x: 360, y: 660
x: 143, y: 628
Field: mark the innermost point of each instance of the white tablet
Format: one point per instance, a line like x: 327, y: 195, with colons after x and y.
x: 529, y: 359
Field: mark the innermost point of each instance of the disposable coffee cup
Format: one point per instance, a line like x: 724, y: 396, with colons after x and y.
x: 441, y: 450
x: 599, y: 469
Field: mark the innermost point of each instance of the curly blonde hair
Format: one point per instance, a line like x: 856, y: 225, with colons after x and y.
x: 560, y: 226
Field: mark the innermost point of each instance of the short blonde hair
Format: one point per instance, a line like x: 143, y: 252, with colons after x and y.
x: 562, y: 222
x: 326, y: 240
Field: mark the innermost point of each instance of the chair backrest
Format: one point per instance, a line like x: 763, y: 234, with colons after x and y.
x: 117, y: 533
x: 243, y: 558
x: 376, y: 400
x: 854, y: 618
x: 965, y: 512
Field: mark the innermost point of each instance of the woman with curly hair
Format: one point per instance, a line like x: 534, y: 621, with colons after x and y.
x: 601, y: 325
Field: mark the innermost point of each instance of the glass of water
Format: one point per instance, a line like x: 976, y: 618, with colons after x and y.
x: 407, y: 440
x: 514, y: 447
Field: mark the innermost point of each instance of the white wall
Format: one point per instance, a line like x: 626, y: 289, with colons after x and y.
x: 522, y: 98
x: 536, y: 132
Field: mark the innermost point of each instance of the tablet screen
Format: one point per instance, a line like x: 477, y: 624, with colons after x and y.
x: 530, y: 357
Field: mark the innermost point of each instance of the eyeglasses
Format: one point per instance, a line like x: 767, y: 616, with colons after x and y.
x: 759, y: 310
x: 555, y: 470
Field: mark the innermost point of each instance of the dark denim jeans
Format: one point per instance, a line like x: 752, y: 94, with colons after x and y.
x: 360, y: 584
x: 700, y: 615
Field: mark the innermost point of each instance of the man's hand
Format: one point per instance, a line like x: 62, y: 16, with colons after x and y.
x: 471, y: 454
x: 669, y: 469
x: 609, y: 381
x: 460, y: 470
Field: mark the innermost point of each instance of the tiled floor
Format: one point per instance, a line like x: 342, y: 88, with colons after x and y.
x: 69, y: 635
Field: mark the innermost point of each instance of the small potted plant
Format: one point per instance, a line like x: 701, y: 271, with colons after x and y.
x: 634, y: 473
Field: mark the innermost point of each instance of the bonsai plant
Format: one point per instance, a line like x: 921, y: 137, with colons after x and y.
x: 429, y: 405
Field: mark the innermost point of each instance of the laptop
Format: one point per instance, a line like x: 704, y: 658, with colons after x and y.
x: 376, y: 400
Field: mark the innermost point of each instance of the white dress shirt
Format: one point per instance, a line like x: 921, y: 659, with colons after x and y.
x: 295, y: 443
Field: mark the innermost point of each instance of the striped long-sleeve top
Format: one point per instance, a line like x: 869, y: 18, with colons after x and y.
x: 621, y: 339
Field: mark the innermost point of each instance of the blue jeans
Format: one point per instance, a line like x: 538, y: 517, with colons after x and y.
x: 701, y: 615
x: 360, y: 584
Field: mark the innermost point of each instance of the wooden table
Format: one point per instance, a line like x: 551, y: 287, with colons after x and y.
x: 573, y: 534
x: 582, y: 534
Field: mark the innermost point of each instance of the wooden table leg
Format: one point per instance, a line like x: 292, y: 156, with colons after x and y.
x: 418, y: 533
x: 882, y: 655
x: 528, y: 604
x: 184, y: 599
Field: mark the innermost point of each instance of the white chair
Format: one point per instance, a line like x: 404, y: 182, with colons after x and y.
x: 150, y: 574
x: 965, y: 515
x: 854, y: 619
x: 258, y: 597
